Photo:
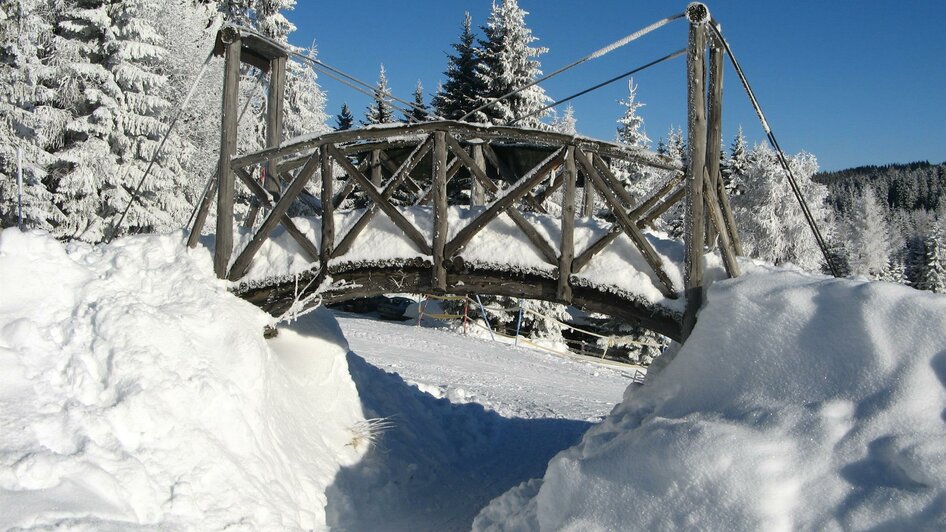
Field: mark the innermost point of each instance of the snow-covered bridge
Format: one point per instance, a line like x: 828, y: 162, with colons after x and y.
x: 453, y: 207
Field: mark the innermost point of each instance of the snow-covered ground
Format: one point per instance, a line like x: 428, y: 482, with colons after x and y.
x: 135, y: 391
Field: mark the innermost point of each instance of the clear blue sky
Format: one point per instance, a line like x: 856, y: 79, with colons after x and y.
x: 852, y: 82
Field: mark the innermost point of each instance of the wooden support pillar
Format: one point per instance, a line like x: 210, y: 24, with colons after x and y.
x: 275, y: 101
x: 479, y: 193
x: 568, y: 227
x: 714, y: 130
x: 327, y: 245
x: 439, y: 273
x: 698, y: 16
x: 223, y: 247
x: 376, y: 177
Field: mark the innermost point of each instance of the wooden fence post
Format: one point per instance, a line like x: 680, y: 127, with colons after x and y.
x: 376, y: 176
x: 588, y: 199
x: 439, y: 274
x: 479, y: 193
x: 275, y: 101
x: 223, y: 247
x: 698, y: 15
x: 327, y: 245
x: 568, y: 228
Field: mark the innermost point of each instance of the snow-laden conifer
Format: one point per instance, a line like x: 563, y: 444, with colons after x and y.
x: 463, y: 89
x: 379, y: 111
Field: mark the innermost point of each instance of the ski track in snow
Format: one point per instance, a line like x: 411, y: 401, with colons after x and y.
x: 472, y: 418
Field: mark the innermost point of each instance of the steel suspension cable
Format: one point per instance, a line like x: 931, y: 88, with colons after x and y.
x: 667, y: 57
x: 593, y: 55
x: 154, y: 154
x: 796, y: 190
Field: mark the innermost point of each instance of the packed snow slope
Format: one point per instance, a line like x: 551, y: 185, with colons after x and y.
x: 799, y: 402
x: 136, y: 391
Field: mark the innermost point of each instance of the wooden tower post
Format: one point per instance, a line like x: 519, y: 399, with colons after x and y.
x: 223, y: 246
x: 698, y: 15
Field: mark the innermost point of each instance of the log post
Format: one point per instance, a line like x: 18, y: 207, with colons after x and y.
x: 568, y: 228
x: 376, y: 177
x: 439, y: 273
x: 714, y: 130
x: 698, y: 15
x: 223, y: 247
x: 327, y: 245
x: 588, y: 199
x: 479, y: 193
x: 275, y: 100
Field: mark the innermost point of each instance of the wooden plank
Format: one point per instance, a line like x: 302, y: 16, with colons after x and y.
x: 729, y: 219
x: 628, y: 225
x: 696, y: 140
x: 478, y: 196
x: 275, y: 101
x: 716, y: 215
x: 546, y: 249
x: 242, y: 262
x: 311, y: 252
x: 223, y: 246
x: 409, y: 230
x: 327, y: 247
x: 463, y: 130
x: 202, y: 211
x: 520, y: 189
x: 509, y: 177
x: 439, y: 172
x: 714, y: 132
x: 568, y: 227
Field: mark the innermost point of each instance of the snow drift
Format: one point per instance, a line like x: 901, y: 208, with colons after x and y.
x: 799, y: 402
x: 134, y: 390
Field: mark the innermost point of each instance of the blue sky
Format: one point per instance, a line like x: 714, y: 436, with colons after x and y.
x: 852, y: 82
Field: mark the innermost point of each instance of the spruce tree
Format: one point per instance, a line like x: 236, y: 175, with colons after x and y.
x: 508, y: 62
x: 870, y: 240
x: 631, y: 125
x: 418, y: 113
x: 735, y: 167
x: 379, y: 111
x: 344, y: 119
x: 928, y: 269
x: 567, y: 124
x: 463, y: 88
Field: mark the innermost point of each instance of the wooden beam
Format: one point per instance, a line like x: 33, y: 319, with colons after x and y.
x: 657, y: 196
x: 568, y: 227
x: 202, y: 211
x: 716, y: 215
x: 520, y: 189
x: 415, y: 157
x: 439, y: 173
x: 223, y: 246
x: 349, y: 186
x: 376, y: 177
x: 327, y: 249
x: 478, y: 196
x: 242, y: 262
x: 714, y: 131
x: 728, y: 217
x: 628, y: 225
x: 311, y: 252
x: 671, y: 200
x: 275, y: 100
x: 612, y: 181
x: 696, y: 132
x: 506, y: 173
x: 409, y: 230
x: 588, y: 198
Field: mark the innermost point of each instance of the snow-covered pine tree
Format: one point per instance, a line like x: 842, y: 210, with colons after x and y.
x: 305, y: 101
x: 29, y: 117
x: 463, y: 88
x: 769, y: 218
x: 928, y: 268
x: 379, y: 111
x: 418, y: 113
x: 870, y: 241
x: 630, y: 131
x: 567, y: 123
x: 344, y: 119
x: 508, y: 62
x: 734, y: 168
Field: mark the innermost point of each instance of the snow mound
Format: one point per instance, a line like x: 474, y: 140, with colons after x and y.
x: 136, y: 391
x: 799, y: 402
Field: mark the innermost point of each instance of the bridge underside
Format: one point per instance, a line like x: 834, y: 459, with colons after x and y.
x: 351, y: 281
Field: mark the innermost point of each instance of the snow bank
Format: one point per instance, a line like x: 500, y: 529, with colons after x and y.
x: 799, y: 402
x: 134, y: 390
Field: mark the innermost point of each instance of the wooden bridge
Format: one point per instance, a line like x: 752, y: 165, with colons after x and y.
x: 459, y: 208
